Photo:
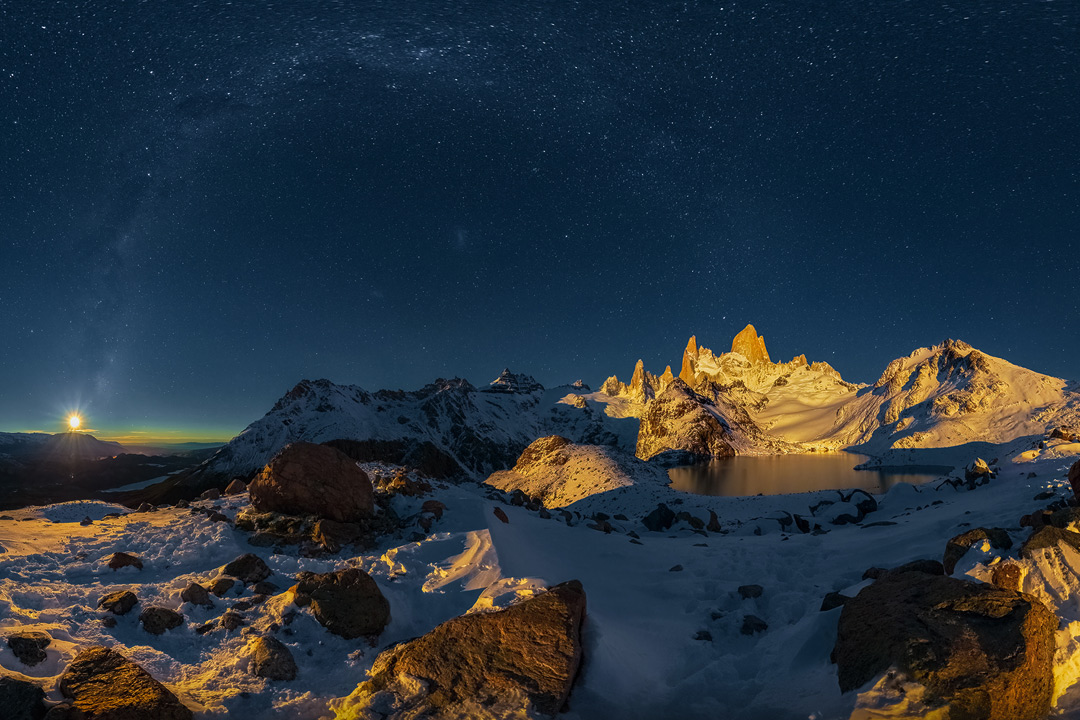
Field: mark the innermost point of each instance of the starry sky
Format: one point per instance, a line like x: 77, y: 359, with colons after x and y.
x: 202, y: 203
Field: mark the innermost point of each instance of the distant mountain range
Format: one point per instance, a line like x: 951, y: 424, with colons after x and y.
x: 720, y: 404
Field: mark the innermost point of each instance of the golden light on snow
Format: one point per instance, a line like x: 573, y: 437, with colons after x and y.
x: 74, y: 421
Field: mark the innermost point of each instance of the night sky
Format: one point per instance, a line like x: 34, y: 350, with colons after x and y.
x: 202, y: 203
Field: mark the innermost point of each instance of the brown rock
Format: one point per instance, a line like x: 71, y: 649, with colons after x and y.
x: 119, y: 603
x: 196, y: 594
x: 402, y: 484
x: 236, y: 487
x: 211, y: 494
x: 501, y: 514
x: 305, y: 478
x: 333, y: 535
x: 232, y: 620
x: 957, y: 547
x: 105, y: 685
x: 434, y: 507
x: 272, y: 660
x: 346, y: 602
x: 222, y: 585
x: 985, y: 651
x: 1074, y: 478
x: 29, y: 646
x: 1006, y: 575
x: 529, y: 650
x: 156, y: 620
x: 248, y: 568
x: 122, y: 559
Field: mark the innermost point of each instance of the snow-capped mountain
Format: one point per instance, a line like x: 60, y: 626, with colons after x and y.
x: 478, y: 431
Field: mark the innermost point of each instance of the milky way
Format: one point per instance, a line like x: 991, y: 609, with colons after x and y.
x: 202, y: 203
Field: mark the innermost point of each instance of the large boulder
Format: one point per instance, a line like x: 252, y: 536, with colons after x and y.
x: 21, y: 700
x: 983, y: 651
x: 29, y: 646
x: 346, y: 602
x: 1074, y: 478
x: 248, y: 568
x: 271, y: 659
x: 309, y: 479
x: 105, y: 685
x: 680, y: 419
x: 527, y: 654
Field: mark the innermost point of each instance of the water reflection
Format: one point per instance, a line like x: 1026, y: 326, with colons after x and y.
x: 780, y: 474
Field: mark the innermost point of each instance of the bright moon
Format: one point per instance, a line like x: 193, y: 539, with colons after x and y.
x: 74, y: 421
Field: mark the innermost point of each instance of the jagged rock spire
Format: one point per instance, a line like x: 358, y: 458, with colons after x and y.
x: 689, y: 356
x: 748, y: 344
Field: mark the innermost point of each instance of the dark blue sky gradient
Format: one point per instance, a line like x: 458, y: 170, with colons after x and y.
x: 202, y: 204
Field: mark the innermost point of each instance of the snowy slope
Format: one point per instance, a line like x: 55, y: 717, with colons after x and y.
x: 482, y: 430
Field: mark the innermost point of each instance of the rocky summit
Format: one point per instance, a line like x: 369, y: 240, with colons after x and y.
x: 748, y: 344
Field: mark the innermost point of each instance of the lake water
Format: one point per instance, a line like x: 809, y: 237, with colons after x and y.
x: 780, y: 474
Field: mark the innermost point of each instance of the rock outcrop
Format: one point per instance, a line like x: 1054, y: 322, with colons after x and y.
x: 560, y: 473
x: 983, y: 651
x: 309, y: 479
x: 485, y: 664
x: 104, y: 685
x: 21, y: 700
x: 346, y: 602
x: 958, y: 546
x: 681, y: 419
x: 752, y: 347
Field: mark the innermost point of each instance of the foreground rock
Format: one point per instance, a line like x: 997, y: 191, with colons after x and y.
x: 1074, y: 478
x: 957, y: 547
x: 249, y: 569
x: 105, y: 685
x: 983, y: 651
x: 309, y: 479
x: 346, y: 602
x: 29, y: 646
x: 272, y: 660
x: 156, y: 620
x: 119, y: 603
x: 525, y: 655
x: 21, y: 700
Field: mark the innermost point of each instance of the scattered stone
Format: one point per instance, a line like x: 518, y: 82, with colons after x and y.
x: 21, y: 699
x: 215, y: 516
x: 753, y: 624
x: 333, y: 535
x: 248, y: 568
x: 122, y: 559
x: 182, y: 503
x: 104, y: 684
x: 662, y: 518
x: 231, y: 620
x: 196, y: 594
x: 156, y: 620
x: 832, y: 601
x: 978, y: 474
x: 714, y: 526
x: 86, y: 521
x: 530, y: 650
x: 222, y: 585
x: 1006, y: 575
x: 119, y: 603
x: 957, y: 547
x: 1065, y: 433
x: 272, y: 660
x: 29, y: 646
x: 927, y: 567
x: 984, y: 652
x: 144, y: 508
x: 676, y: 568
x: 236, y: 487
x: 402, y: 484
x: 264, y: 588
x: 704, y: 635
x: 499, y: 513
x: 863, y: 501
x: 437, y: 509
x: 310, y: 479
x: 544, y: 514
x: 108, y: 621
x: 602, y: 525
x: 211, y: 494
x: 1074, y: 478
x: 346, y: 602
x: 747, y: 592
x: 1044, y: 495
